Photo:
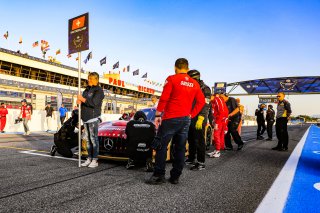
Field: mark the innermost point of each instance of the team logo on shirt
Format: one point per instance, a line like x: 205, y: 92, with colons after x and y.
x: 187, y: 84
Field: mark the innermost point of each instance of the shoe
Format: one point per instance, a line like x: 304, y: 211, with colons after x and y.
x: 149, y: 165
x: 215, y: 155
x: 269, y: 139
x: 24, y: 133
x: 228, y: 148
x: 93, y: 164
x: 86, y: 163
x: 240, y: 147
x: 211, y: 153
x: 53, y: 150
x: 28, y: 133
x: 2, y: 131
x: 156, y: 180
x: 130, y: 164
x: 174, y: 180
x: 283, y: 149
x: 190, y: 162
x: 198, y: 167
x: 260, y: 137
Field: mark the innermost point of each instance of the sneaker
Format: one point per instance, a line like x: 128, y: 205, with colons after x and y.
x: 156, y: 180
x: 93, y: 164
x: 215, y: 155
x: 211, y: 153
x: 24, y: 133
x: 130, y: 164
x: 269, y: 139
x: 228, y: 148
x: 284, y: 149
x: 240, y: 147
x: 198, y: 167
x: 190, y: 162
x: 53, y: 150
x: 174, y: 180
x: 28, y: 133
x: 86, y: 163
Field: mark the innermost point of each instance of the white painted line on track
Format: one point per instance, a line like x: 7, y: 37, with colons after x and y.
x: 33, y: 152
x: 277, y: 195
x: 316, y: 152
x: 317, y: 186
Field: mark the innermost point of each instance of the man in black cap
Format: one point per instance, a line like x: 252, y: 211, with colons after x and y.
x: 270, y: 121
x: 197, y: 129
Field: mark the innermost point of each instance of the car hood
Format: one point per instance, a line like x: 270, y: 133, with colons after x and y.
x: 113, y: 129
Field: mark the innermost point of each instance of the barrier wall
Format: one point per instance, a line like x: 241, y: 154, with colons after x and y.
x: 38, y: 122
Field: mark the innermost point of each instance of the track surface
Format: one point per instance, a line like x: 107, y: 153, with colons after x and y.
x: 235, y: 182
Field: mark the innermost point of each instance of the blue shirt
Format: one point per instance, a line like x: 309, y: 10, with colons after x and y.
x: 63, y: 111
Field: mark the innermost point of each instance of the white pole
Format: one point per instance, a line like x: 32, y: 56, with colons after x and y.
x: 79, y: 108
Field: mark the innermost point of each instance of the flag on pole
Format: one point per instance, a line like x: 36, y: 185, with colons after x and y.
x: 44, y: 45
x: 116, y: 65
x: 58, y: 52
x: 124, y: 69
x: 20, y: 40
x: 103, y: 61
x: 89, y: 56
x: 77, y: 58
x: 35, y: 44
x: 128, y: 68
x: 69, y: 55
x: 6, y: 35
x: 85, y: 61
x: 145, y: 75
x: 136, y: 72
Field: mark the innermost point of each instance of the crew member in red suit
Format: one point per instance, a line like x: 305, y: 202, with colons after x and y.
x: 220, y: 116
x: 3, y: 117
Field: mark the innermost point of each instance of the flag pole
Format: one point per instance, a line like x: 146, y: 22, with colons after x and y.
x: 79, y: 107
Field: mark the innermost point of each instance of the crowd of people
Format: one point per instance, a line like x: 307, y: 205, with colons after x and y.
x: 182, y: 114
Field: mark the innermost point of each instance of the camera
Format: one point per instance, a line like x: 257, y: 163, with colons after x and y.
x: 18, y: 120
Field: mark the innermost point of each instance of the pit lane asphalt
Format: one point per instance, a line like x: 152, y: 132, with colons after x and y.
x: 235, y: 182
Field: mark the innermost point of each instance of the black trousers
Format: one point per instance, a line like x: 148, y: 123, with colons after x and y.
x: 261, y: 128
x: 197, y: 142
x: 62, y: 118
x: 282, y: 132
x: 232, y: 131
x: 269, y: 129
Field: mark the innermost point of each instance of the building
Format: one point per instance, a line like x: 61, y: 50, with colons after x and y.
x: 41, y: 82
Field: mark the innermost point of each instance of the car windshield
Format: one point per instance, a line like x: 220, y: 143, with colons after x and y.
x: 150, y: 113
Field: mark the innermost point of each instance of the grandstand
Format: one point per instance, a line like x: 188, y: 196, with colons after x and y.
x: 41, y: 82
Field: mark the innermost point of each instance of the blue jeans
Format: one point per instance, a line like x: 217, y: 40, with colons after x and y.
x: 92, y: 139
x: 176, y: 129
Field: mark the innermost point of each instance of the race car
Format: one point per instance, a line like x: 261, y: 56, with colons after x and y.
x: 112, y: 138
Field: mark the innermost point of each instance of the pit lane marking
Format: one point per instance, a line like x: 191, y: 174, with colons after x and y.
x: 33, y: 152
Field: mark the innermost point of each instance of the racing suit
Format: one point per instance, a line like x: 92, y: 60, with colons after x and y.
x: 196, y: 137
x: 220, y: 114
x: 3, y: 118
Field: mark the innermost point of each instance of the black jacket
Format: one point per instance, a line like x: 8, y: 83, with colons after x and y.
x: 207, y: 95
x: 270, y: 115
x: 260, y: 116
x: 92, y: 107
